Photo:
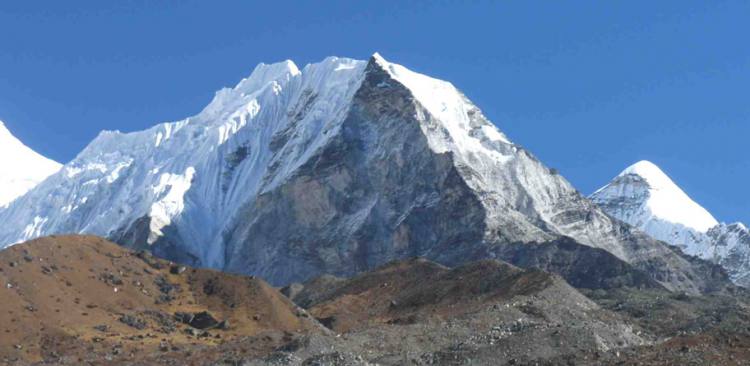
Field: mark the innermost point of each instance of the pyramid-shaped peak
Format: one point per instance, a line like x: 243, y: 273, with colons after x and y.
x: 665, y: 200
x: 643, y: 168
x: 379, y: 59
x: 650, y: 172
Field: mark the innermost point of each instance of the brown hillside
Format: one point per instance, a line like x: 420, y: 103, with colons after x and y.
x: 412, y: 290
x: 69, y: 297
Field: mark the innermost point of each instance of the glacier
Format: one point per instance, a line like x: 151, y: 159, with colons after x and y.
x: 336, y: 167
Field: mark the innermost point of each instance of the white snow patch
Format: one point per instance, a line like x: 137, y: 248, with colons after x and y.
x: 169, y: 130
x: 34, y: 229
x: 72, y: 170
x: 345, y: 66
x: 90, y: 182
x: 115, y: 173
x: 238, y: 120
x: 494, y: 135
x: 21, y: 168
x: 171, y: 188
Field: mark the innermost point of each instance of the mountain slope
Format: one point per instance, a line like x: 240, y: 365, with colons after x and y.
x: 400, y: 291
x: 66, y: 297
x: 73, y: 300
x: 484, y: 313
x: 336, y: 168
x: 20, y: 167
x: 645, y: 197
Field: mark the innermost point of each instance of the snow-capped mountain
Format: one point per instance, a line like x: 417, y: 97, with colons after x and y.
x: 335, y: 168
x: 21, y: 168
x: 645, y: 197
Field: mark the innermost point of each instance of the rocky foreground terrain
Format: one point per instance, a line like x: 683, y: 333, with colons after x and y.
x: 78, y: 300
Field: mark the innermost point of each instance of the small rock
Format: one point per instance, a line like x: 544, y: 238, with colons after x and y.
x: 177, y: 269
x: 133, y: 322
x: 204, y: 320
x: 110, y: 279
x: 183, y: 317
x: 102, y: 327
x: 166, y: 288
x: 223, y: 325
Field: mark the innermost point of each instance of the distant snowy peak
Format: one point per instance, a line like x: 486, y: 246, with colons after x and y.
x: 20, y: 167
x: 651, y: 194
x: 645, y: 197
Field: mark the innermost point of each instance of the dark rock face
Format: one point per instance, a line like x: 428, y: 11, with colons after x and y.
x: 376, y: 193
x: 734, y: 240
x: 581, y: 266
x: 136, y: 235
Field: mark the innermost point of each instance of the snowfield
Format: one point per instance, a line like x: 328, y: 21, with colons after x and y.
x: 20, y: 167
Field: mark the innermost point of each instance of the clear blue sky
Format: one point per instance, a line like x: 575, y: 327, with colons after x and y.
x: 589, y: 87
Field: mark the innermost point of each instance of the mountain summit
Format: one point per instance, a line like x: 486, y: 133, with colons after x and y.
x: 645, y: 197
x: 20, y: 167
x: 658, y: 200
x: 337, y: 167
